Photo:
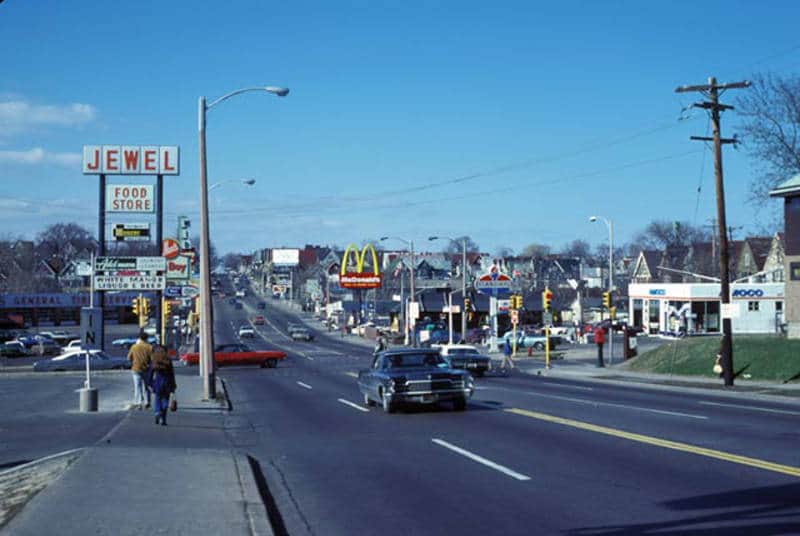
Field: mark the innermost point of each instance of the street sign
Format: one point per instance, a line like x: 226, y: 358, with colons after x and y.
x: 133, y: 281
x: 547, y: 319
x: 189, y: 291
x: 173, y: 292
x: 129, y: 232
x: 494, y: 284
x: 83, y: 269
x: 91, y: 327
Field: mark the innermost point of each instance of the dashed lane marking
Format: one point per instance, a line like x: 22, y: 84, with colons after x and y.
x: 305, y: 385
x: 352, y: 374
x: 751, y: 408
x: 352, y: 405
x: 664, y: 443
x: 481, y: 460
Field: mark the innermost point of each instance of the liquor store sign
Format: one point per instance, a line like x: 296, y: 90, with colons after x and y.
x: 130, y: 273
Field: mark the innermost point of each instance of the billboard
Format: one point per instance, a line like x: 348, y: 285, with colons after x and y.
x: 131, y: 160
x: 286, y: 257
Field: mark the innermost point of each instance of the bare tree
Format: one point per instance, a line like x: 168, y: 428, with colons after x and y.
x: 660, y: 234
x: 455, y: 246
x: 63, y: 241
x: 504, y: 251
x: 577, y: 248
x: 536, y: 250
x: 771, y: 131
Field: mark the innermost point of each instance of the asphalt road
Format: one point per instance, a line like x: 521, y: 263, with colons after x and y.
x: 531, y: 455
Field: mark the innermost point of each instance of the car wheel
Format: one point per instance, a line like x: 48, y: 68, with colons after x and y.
x: 538, y: 346
x: 272, y: 363
x: 368, y: 401
x: 388, y: 407
x: 460, y: 404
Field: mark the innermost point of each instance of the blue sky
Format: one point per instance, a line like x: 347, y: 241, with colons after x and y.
x: 510, y: 122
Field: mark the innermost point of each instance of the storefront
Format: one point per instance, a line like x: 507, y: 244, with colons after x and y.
x: 695, y: 308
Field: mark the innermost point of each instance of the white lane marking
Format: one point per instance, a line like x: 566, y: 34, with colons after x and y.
x: 480, y: 459
x: 353, y: 374
x: 624, y: 406
x: 301, y: 384
x: 348, y: 403
x: 753, y: 408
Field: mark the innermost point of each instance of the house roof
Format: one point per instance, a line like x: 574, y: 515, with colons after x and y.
x: 760, y: 246
x: 790, y: 187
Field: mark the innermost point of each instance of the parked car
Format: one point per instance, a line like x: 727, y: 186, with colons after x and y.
x: 531, y: 340
x: 291, y: 327
x: 61, y: 337
x: 258, y: 320
x: 465, y: 356
x: 72, y: 345
x: 476, y: 336
x: 76, y: 360
x: 13, y: 349
x: 414, y: 375
x: 40, y: 345
x: 302, y: 334
x: 127, y: 342
x: 246, y: 331
x: 238, y: 354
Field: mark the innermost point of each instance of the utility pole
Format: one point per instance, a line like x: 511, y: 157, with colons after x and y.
x: 712, y: 91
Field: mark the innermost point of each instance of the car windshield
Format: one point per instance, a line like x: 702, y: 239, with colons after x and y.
x: 462, y: 352
x: 415, y: 360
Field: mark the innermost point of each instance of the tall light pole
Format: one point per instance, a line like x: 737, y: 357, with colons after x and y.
x: 463, y: 281
x: 610, y: 226
x: 206, y: 309
x: 410, y: 244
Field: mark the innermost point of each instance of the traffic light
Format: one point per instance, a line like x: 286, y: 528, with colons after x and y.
x: 166, y: 310
x: 547, y: 298
x: 136, y: 306
x: 466, y: 304
x: 145, y: 307
x: 607, y: 300
x: 612, y: 312
x: 516, y: 302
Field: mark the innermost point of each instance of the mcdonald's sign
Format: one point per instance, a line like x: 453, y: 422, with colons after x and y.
x: 357, y: 278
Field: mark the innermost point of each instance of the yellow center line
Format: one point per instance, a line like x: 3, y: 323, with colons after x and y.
x: 674, y: 445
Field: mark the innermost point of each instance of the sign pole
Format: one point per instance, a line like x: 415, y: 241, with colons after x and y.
x: 159, y: 239
x: 101, y: 237
x: 493, y: 314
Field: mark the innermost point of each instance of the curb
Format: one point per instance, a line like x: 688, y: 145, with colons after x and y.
x: 19, y: 484
x: 254, y: 507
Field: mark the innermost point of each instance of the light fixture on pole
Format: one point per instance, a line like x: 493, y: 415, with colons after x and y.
x: 246, y: 182
x: 206, y: 309
x: 463, y: 280
x: 410, y: 244
x: 610, y: 226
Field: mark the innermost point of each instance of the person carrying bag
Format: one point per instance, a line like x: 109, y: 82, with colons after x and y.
x: 161, y: 379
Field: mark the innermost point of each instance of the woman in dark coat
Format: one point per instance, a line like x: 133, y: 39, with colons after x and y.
x: 161, y: 379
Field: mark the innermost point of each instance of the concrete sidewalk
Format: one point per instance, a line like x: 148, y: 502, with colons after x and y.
x: 143, y: 478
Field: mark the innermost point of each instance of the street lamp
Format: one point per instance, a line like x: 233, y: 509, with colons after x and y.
x: 610, y: 226
x: 463, y: 282
x: 246, y: 182
x: 410, y: 244
x: 206, y: 309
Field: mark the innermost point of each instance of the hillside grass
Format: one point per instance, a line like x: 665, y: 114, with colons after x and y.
x: 756, y: 357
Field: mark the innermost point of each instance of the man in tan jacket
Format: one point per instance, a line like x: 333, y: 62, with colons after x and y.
x: 140, y: 356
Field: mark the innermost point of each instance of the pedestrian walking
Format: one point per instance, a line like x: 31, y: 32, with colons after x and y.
x: 599, y: 340
x: 508, y: 361
x: 161, y: 380
x: 140, y: 355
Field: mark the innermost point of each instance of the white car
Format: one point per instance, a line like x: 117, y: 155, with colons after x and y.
x: 241, y: 293
x: 73, y: 345
x: 246, y: 331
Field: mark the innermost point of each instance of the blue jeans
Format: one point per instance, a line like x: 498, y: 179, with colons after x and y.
x: 140, y: 392
x: 160, y: 407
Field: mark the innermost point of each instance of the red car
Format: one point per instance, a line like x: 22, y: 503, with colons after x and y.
x: 239, y: 354
x: 258, y: 320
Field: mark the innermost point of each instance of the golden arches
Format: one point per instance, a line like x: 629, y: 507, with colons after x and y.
x: 360, y: 258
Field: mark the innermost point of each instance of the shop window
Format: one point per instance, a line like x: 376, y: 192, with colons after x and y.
x: 752, y: 305
x: 778, y: 306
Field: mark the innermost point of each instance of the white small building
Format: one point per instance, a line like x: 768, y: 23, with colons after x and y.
x: 694, y: 308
